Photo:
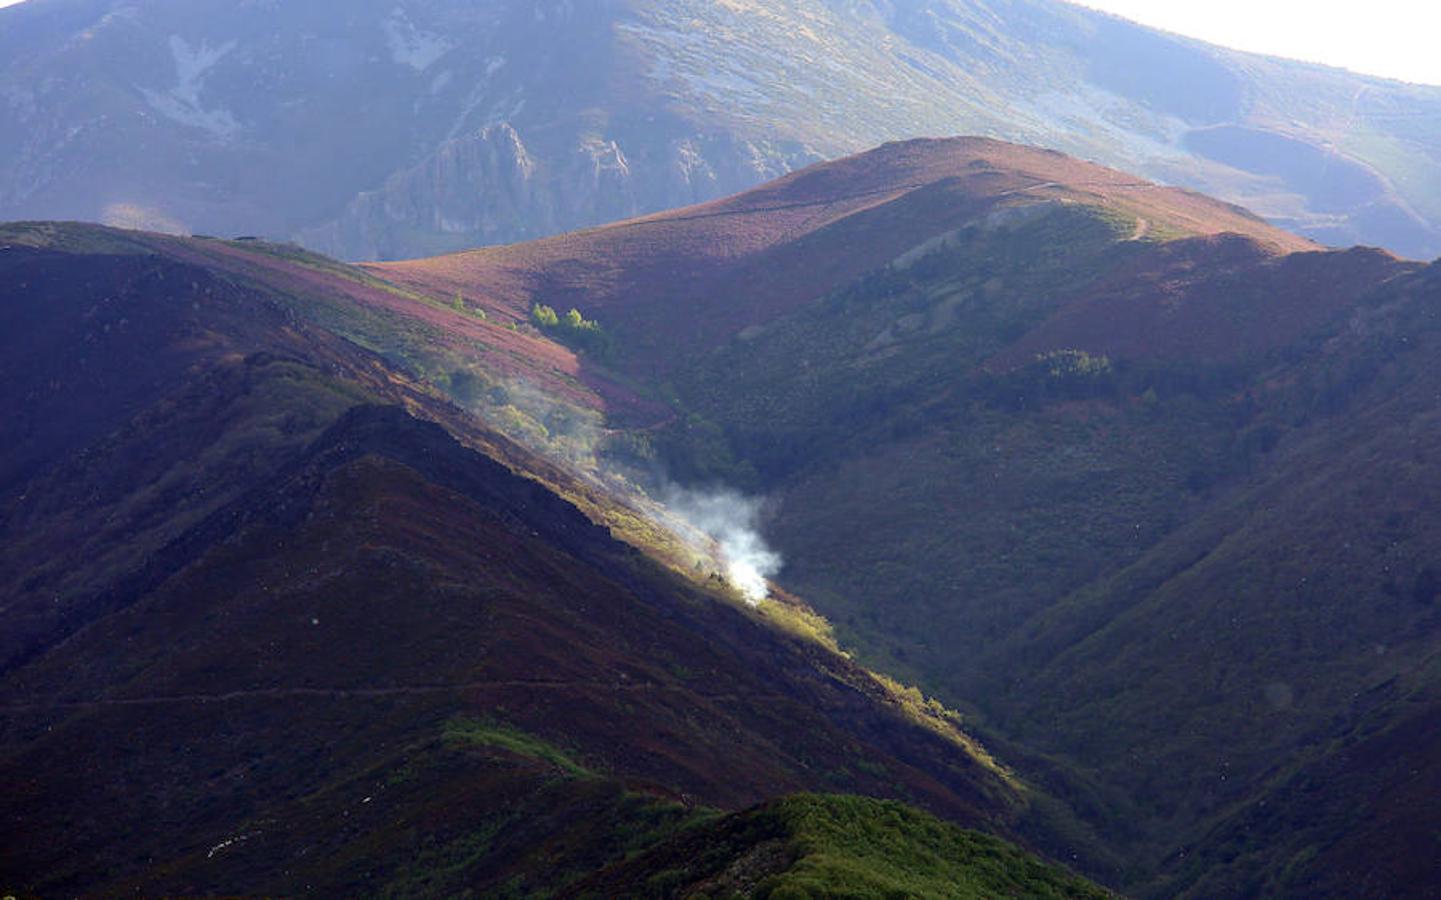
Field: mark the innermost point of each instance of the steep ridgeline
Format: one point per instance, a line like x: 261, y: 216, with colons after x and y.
x: 384, y: 129
x: 278, y: 618
x: 1136, y: 478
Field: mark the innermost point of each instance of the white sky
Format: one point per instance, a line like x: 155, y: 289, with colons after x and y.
x: 1394, y: 38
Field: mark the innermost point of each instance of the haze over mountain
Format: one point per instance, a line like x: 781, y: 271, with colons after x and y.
x: 407, y: 127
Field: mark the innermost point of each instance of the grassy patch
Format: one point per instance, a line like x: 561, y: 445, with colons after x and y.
x: 835, y: 845
x: 475, y: 733
x: 859, y: 847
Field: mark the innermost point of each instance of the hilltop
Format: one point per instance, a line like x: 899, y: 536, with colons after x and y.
x: 689, y: 279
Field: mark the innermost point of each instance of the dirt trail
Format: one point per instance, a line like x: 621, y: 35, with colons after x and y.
x: 349, y: 693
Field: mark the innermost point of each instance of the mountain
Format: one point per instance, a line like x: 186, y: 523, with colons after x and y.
x: 280, y: 618
x: 383, y: 130
x: 1134, y: 480
x: 1126, y: 473
x: 685, y: 281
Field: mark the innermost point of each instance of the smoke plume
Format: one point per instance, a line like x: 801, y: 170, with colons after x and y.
x: 732, y: 521
x: 719, y: 524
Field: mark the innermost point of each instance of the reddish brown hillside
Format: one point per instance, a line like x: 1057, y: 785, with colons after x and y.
x: 697, y: 275
x: 1215, y: 298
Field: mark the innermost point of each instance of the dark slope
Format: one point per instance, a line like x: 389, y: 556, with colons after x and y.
x: 1300, y: 626
x: 269, y: 630
x: 1170, y: 533
x: 146, y: 394
x: 384, y: 583
x: 1384, y: 754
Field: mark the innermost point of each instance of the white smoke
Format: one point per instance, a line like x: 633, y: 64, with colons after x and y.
x: 719, y: 524
x: 732, y: 522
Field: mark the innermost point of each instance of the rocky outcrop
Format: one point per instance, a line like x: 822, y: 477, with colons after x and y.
x: 489, y: 188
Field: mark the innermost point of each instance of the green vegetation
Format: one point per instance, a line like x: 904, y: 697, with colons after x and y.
x: 880, y: 354
x: 573, y: 330
x: 857, y: 847
x: 460, y: 306
x: 1074, y: 364
x: 1033, y: 522
x: 472, y: 732
x: 893, y: 430
x: 1057, y: 376
x: 835, y: 846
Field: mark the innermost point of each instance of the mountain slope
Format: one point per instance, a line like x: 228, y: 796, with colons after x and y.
x: 1138, y: 490
x: 411, y: 127
x: 1136, y: 480
x: 270, y: 630
x: 701, y: 274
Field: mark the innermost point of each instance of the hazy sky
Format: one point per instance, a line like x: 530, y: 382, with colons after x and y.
x: 1394, y: 38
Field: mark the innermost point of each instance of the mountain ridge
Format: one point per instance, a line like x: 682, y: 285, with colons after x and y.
x: 741, y: 274
x: 522, y: 119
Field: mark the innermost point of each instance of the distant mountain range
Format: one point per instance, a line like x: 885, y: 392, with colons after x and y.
x: 384, y: 130
x: 350, y: 577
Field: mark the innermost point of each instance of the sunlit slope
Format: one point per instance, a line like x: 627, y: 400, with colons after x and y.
x: 693, y: 277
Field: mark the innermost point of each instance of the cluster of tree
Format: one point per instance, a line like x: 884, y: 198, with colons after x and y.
x: 572, y: 329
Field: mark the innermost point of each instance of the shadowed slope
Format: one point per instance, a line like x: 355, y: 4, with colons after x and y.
x: 1116, y: 474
